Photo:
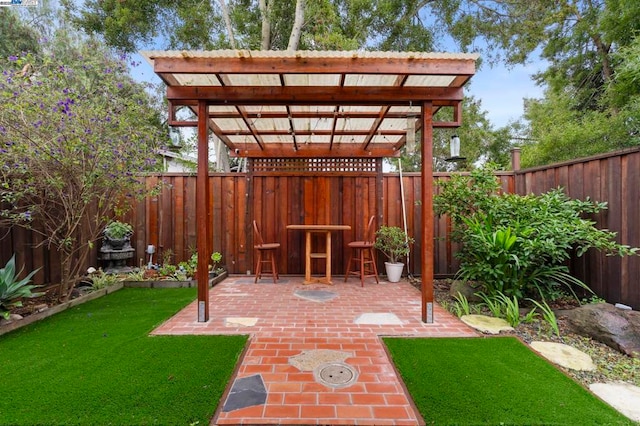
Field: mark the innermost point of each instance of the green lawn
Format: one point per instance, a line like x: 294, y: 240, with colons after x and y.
x: 492, y: 381
x: 95, y: 364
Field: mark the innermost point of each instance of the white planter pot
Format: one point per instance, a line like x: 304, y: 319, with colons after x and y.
x: 394, y: 271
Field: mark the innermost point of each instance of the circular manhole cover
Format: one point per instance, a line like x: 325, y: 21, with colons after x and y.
x: 335, y: 375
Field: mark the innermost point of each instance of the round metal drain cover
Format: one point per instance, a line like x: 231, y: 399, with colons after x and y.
x: 335, y: 375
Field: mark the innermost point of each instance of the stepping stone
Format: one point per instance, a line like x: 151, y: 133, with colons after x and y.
x: 564, y: 355
x: 622, y: 396
x: 380, y: 318
x: 315, y: 295
x: 486, y: 324
x: 309, y: 360
x: 240, y: 321
x: 246, y: 392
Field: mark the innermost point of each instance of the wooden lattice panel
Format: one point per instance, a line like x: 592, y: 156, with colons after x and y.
x: 314, y: 165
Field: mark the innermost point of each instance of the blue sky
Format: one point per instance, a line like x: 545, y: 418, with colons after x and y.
x: 502, y: 91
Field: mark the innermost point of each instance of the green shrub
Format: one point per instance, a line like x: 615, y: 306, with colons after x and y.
x: 518, y: 245
x: 12, y: 289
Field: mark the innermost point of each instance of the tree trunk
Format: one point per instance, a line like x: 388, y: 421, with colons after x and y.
x: 296, y: 31
x: 227, y: 23
x: 265, y: 12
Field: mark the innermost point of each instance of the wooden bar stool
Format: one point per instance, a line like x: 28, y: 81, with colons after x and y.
x: 269, y: 256
x: 362, y: 253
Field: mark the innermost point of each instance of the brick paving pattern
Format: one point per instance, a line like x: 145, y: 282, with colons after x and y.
x: 288, y: 325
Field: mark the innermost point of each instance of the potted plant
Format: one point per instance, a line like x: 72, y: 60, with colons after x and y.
x: 393, y: 242
x: 117, y: 234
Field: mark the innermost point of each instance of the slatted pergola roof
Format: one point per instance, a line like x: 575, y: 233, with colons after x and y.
x: 310, y: 105
x: 313, y: 103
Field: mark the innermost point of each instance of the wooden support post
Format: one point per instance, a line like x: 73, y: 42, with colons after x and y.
x: 202, y: 217
x: 427, y: 212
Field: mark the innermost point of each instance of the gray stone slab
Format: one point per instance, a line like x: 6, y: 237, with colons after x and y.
x: 246, y: 392
x: 315, y: 295
x: 378, y: 318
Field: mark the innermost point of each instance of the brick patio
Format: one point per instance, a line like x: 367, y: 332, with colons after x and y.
x: 283, y: 325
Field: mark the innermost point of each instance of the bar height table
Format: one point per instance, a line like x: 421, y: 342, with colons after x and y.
x: 308, y: 254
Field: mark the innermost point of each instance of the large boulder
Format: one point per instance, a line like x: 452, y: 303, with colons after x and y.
x: 603, y: 322
x: 465, y: 288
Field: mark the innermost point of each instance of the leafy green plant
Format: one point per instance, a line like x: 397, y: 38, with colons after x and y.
x: 216, y: 258
x: 117, y: 230
x: 137, y: 275
x: 592, y: 300
x: 530, y: 316
x: 491, y: 303
x: 461, y: 305
x: 101, y: 279
x: 12, y: 289
x: 393, y: 242
x: 548, y: 315
x: 168, y: 270
x: 510, y: 308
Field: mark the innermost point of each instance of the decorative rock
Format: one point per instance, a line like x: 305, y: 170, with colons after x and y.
x: 622, y: 396
x: 378, y: 318
x: 246, y: 392
x: 315, y: 295
x: 486, y: 324
x: 309, y: 360
x: 622, y: 306
x: 465, y: 289
x: 41, y: 307
x: 240, y: 321
x: 617, y: 328
x: 564, y: 355
x: 12, y: 318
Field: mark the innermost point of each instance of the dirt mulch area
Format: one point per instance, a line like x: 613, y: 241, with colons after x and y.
x: 611, y: 364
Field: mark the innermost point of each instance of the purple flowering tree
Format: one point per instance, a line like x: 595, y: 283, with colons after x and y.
x: 75, y: 133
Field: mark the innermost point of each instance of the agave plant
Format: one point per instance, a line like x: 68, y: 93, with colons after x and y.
x: 13, y: 290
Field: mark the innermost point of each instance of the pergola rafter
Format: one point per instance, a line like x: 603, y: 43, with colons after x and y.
x: 314, y: 104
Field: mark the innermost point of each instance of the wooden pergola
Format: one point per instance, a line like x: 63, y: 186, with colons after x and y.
x: 310, y: 105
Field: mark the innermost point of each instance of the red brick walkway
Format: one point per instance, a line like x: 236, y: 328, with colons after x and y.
x: 288, y: 325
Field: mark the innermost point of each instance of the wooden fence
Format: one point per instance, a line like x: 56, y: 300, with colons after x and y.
x: 167, y: 220
x: 614, y: 178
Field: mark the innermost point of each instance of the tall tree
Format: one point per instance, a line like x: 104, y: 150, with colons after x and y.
x: 17, y: 37
x: 74, y: 131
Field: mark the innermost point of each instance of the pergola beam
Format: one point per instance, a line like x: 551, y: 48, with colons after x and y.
x: 309, y: 65
x: 316, y: 95
x: 285, y: 150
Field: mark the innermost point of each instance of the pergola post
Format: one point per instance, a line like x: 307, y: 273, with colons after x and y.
x: 426, y: 234
x: 202, y: 207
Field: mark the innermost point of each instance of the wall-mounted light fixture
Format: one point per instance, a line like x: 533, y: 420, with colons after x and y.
x: 454, y: 147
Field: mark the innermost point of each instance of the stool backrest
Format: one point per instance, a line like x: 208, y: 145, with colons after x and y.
x: 369, y: 235
x: 259, y: 239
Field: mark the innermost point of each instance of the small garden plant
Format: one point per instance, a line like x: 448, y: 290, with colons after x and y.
x: 12, y: 289
x: 117, y: 230
x: 393, y: 242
